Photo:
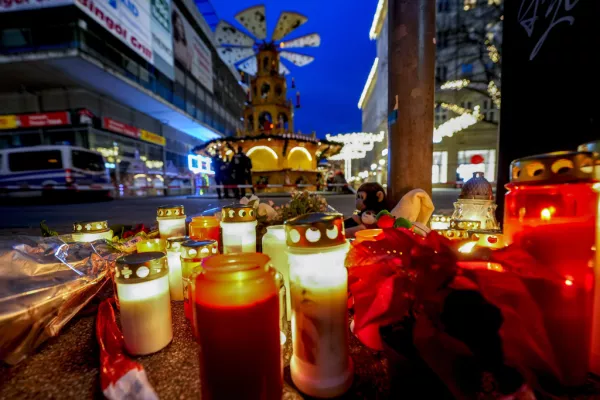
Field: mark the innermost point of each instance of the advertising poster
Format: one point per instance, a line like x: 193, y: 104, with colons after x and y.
x: 21, y: 5
x: 128, y: 20
x: 162, y: 36
x: 190, y: 50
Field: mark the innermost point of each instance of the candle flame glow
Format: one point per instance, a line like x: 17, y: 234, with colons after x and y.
x: 467, y: 247
x: 546, y: 214
x: 569, y: 281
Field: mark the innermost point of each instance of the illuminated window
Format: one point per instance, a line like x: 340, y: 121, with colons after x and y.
x: 439, y: 169
x: 469, y: 4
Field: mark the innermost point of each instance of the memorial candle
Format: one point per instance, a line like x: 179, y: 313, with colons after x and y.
x: 238, y: 224
x: 237, y: 313
x: 174, y: 261
x: 273, y: 245
x: 91, y: 231
x: 205, y: 228
x: 192, y: 253
x: 151, y: 245
x: 171, y: 221
x: 145, y: 305
x: 321, y: 365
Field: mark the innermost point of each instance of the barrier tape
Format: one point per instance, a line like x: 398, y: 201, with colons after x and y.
x: 269, y: 186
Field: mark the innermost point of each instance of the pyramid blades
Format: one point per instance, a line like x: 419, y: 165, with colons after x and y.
x: 288, y: 22
x: 232, y: 55
x: 297, y: 59
x: 283, y: 70
x: 227, y: 34
x: 249, y: 66
x: 254, y: 20
x: 312, y: 40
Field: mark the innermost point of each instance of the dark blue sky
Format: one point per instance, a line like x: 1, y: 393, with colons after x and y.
x: 331, y: 85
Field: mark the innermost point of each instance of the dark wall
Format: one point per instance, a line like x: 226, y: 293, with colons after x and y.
x: 550, y: 75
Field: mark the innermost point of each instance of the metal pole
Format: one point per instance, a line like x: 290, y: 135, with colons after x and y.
x: 410, y: 96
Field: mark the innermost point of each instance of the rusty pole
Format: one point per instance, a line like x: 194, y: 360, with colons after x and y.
x: 410, y: 96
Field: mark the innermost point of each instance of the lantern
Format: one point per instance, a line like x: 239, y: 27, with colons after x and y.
x: 273, y: 245
x: 236, y: 305
x: 174, y: 261
x: 238, y: 223
x: 171, y: 221
x: 321, y: 365
x: 192, y: 253
x: 143, y: 289
x: 91, y: 231
x: 550, y: 211
x: 151, y: 245
x: 205, y: 228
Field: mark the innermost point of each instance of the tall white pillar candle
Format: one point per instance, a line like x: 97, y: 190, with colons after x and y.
x: 174, y: 262
x: 238, y: 226
x: 171, y: 221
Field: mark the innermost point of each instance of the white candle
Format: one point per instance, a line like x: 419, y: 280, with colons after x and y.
x: 171, y: 221
x: 143, y: 290
x: 238, y: 226
x: 321, y: 365
x: 273, y: 245
x: 174, y: 262
x: 91, y: 231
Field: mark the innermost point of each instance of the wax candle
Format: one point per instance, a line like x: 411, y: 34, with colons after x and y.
x: 237, y: 313
x: 174, y: 262
x: 192, y: 253
x: 367, y: 235
x: 91, y: 231
x: 238, y: 224
x: 151, y: 245
x: 205, y: 228
x: 321, y: 365
x: 143, y: 290
x: 440, y: 222
x: 171, y: 221
x: 273, y: 245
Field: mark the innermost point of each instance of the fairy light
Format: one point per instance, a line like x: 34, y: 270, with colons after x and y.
x: 457, y: 124
x: 372, y: 73
x: 493, y: 52
x: 494, y: 93
x: 355, y: 147
x: 455, y: 85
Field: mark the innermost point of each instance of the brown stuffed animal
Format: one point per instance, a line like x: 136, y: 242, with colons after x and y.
x: 370, y: 197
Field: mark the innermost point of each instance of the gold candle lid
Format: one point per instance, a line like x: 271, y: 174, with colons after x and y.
x: 557, y: 167
x: 174, y: 243
x: 170, y: 212
x: 90, y: 227
x: 141, y: 267
x: 465, y: 224
x: 199, y: 249
x: 594, y: 146
x: 238, y: 213
x: 315, y: 230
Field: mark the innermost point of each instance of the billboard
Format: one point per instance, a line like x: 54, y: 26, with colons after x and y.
x: 21, y: 5
x: 162, y: 36
x: 191, y: 51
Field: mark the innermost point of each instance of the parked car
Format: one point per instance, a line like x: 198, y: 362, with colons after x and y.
x: 56, y: 170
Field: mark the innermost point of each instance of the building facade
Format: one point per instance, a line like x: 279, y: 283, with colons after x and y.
x: 139, y: 81
x: 467, y: 82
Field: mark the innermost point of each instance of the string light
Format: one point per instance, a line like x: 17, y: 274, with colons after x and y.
x: 493, y: 52
x: 455, y: 85
x: 494, y: 93
x: 457, y: 124
x: 355, y: 147
x: 363, y: 95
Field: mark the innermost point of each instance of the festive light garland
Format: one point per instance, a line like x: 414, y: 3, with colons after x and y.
x: 455, y: 85
x: 355, y: 147
x: 363, y: 95
x: 457, y: 124
x: 494, y: 92
x: 493, y: 52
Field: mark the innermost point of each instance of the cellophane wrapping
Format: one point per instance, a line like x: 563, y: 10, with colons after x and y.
x: 44, y: 283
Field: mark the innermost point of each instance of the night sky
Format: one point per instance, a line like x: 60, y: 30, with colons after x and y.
x: 331, y: 85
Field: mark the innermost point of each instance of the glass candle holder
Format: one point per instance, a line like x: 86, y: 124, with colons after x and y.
x: 151, y: 245
x: 238, y: 224
x: 237, y: 310
x: 91, y: 231
x: 145, y: 304
x: 174, y: 261
x: 273, y: 245
x: 367, y: 235
x: 192, y: 254
x: 171, y: 221
x: 205, y: 228
x: 439, y: 222
x: 321, y: 365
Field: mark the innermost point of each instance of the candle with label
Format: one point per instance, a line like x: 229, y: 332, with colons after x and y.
x: 91, y: 231
x: 321, y: 365
x: 237, y: 312
x: 151, y: 245
x: 174, y: 261
x: 145, y: 304
x: 238, y: 224
x: 192, y: 254
x: 273, y: 245
x: 171, y: 221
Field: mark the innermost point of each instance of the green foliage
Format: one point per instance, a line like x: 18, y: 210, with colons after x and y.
x: 402, y: 223
x: 301, y: 203
x: 382, y: 213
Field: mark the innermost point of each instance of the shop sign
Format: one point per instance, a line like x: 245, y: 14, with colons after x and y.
x: 35, y: 120
x: 8, y: 122
x: 152, y: 138
x: 119, y: 127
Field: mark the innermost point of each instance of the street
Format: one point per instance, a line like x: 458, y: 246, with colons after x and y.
x: 25, y: 219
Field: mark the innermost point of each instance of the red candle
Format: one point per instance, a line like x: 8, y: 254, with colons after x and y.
x: 205, y: 228
x: 237, y: 314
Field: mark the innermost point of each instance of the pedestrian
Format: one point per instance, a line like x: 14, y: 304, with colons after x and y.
x: 242, y: 170
x: 220, y: 168
x: 247, y: 170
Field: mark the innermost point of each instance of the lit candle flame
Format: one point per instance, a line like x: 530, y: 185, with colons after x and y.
x: 569, y: 281
x: 467, y: 247
x: 546, y: 214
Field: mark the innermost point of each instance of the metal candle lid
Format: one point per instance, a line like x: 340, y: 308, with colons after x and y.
x: 141, y: 267
x: 593, y: 147
x: 315, y: 230
x: 199, y: 249
x: 477, y: 188
x: 174, y: 243
x: 90, y: 227
x: 170, y: 212
x: 238, y: 213
x: 558, y: 167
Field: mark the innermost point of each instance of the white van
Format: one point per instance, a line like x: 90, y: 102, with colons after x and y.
x: 33, y: 171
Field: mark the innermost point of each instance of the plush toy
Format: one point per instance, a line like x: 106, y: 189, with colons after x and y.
x: 370, y: 200
x: 415, y: 206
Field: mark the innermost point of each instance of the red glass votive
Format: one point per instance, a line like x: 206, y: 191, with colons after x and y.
x: 237, y: 314
x: 205, y: 228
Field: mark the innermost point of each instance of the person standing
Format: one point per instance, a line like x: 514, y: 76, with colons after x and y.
x: 237, y: 169
x: 247, y: 170
x: 220, y: 168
